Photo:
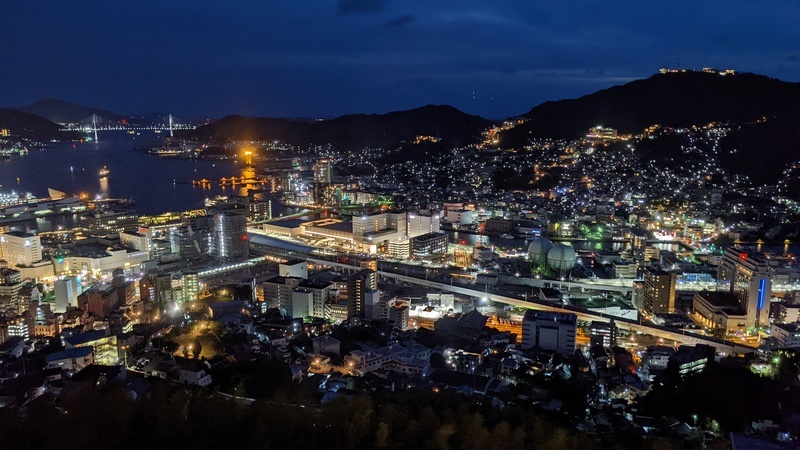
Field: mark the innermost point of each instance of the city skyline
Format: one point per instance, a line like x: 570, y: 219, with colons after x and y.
x: 373, y: 56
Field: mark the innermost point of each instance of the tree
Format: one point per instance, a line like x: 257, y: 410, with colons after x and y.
x: 381, y: 435
x: 437, y: 361
x: 196, y: 348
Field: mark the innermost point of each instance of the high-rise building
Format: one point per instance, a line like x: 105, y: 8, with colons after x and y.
x: 10, y: 287
x: 278, y: 293
x: 323, y: 171
x: 302, y: 303
x: 398, y: 313
x: 323, y: 175
x: 190, y: 242
x: 230, y: 235
x: 20, y: 249
x: 162, y: 290
x: 67, y: 291
x: 549, y: 331
x: 191, y: 286
x: 746, y: 274
x: 638, y: 245
x: 99, y: 301
x: 357, y: 287
x: 419, y: 224
x: 103, y: 223
x: 320, y: 291
x: 603, y: 334
x: 659, y: 291
x: 372, y: 305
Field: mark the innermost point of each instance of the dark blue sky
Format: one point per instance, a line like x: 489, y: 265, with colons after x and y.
x: 314, y: 58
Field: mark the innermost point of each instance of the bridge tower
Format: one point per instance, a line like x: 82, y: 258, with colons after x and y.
x: 94, y: 126
x: 170, y: 125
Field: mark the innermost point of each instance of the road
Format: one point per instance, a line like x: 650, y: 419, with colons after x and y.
x: 685, y: 338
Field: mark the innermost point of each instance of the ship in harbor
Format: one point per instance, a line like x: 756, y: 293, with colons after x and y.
x: 28, y: 207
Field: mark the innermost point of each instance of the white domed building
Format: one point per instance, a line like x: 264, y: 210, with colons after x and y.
x: 537, y: 253
x: 561, y: 259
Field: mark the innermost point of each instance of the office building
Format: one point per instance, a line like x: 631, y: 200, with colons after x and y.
x: 103, y: 223
x: 358, y: 285
x: 549, y: 331
x: 747, y: 275
x: 20, y: 249
x: 429, y: 244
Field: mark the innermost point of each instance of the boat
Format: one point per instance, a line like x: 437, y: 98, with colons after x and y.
x: 507, y: 236
x: 103, y: 172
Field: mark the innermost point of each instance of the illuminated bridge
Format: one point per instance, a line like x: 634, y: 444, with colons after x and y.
x: 95, y: 123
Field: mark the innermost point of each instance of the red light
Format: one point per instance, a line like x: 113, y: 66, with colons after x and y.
x: 743, y: 256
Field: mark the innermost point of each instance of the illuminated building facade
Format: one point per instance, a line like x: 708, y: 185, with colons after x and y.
x: 659, y: 291
x: 230, y: 235
x: 10, y: 287
x: 103, y: 223
x: 20, y: 249
x: 746, y: 274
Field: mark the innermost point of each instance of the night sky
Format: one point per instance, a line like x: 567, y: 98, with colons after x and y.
x: 315, y: 58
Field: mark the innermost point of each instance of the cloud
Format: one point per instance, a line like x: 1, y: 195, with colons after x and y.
x: 360, y: 6
x: 400, y: 21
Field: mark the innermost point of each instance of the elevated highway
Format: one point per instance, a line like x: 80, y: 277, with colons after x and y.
x: 685, y: 338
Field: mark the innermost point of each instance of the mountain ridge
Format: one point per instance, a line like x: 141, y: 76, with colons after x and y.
x: 670, y: 99
x: 31, y: 126
x: 353, y: 130
x: 62, y: 111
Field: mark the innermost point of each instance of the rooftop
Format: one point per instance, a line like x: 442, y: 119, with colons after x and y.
x: 260, y: 239
x: 72, y: 353
x: 288, y: 223
x: 83, y: 338
x: 566, y: 318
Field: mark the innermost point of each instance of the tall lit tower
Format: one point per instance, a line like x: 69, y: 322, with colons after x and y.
x: 747, y: 274
x: 322, y: 179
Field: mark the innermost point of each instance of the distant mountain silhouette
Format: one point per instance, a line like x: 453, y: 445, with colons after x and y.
x: 32, y: 126
x: 671, y: 99
x: 354, y: 131
x: 61, y: 111
x: 681, y: 100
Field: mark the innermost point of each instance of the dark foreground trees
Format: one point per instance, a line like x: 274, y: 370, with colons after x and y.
x: 173, y: 417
